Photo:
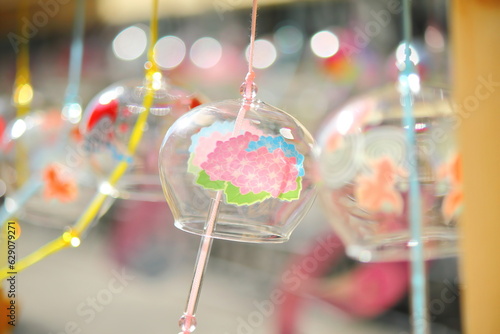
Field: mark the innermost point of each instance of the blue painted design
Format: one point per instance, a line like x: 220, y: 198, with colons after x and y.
x: 221, y: 127
x: 119, y: 156
x: 272, y: 143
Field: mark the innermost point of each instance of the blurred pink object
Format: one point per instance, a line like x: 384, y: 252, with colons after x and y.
x: 143, y: 236
x: 366, y: 291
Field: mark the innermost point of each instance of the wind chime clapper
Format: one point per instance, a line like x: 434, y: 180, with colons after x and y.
x: 238, y: 170
x: 187, y: 322
x: 72, y: 235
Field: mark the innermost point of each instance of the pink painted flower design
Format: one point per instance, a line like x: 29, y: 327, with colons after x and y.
x: 205, y: 141
x: 201, y: 151
x: 255, y: 171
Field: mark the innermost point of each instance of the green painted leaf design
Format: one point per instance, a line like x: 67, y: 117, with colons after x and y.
x: 204, y: 181
x: 234, y: 196
x: 191, y: 167
x: 294, y: 194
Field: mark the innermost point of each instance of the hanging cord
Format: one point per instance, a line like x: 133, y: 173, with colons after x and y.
x: 249, y: 79
x: 418, y: 277
x: 249, y: 88
x: 23, y: 90
x: 72, y: 236
x: 23, y: 93
x: 187, y: 322
x: 72, y: 109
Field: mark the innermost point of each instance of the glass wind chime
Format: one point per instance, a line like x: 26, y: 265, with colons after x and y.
x: 390, y: 176
x: 237, y: 170
x: 35, y: 153
x: 113, y: 126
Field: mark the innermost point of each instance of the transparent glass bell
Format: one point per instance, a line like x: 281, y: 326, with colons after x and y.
x: 48, y: 181
x: 363, y: 174
x: 108, y: 124
x: 263, y: 170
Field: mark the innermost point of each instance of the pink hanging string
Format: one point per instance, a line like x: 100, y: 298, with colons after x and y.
x: 249, y: 87
x: 187, y: 322
x: 250, y: 75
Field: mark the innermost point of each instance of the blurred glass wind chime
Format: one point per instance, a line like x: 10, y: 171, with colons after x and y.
x: 47, y: 179
x: 34, y: 153
x: 390, y: 176
x: 114, y: 123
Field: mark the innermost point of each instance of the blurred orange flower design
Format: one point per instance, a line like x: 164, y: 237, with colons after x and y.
x: 452, y: 202
x: 376, y: 192
x: 58, y: 184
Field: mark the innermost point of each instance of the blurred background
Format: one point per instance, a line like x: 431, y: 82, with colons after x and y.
x: 133, y: 270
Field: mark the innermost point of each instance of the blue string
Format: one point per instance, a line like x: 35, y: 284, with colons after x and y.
x: 418, y: 275
x: 76, y: 56
x: 17, y: 200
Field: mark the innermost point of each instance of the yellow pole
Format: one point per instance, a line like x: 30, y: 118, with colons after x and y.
x: 476, y: 69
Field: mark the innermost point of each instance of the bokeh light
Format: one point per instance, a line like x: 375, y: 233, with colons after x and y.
x: 265, y: 53
x: 72, y: 112
x: 206, y: 52
x: 400, y: 54
x: 23, y: 94
x: 130, y: 43
x: 18, y: 128
x: 434, y: 38
x: 414, y: 82
x: 170, y: 51
x: 325, y: 44
x: 289, y: 39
